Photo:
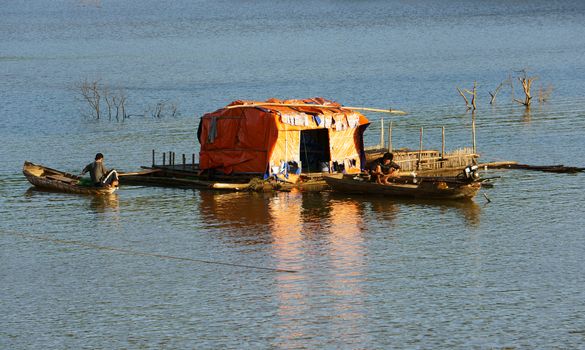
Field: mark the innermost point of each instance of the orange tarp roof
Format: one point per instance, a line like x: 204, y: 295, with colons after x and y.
x: 242, y: 139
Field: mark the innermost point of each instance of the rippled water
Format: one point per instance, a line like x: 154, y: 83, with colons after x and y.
x: 174, y: 268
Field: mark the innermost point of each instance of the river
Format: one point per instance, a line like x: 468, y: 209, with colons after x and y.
x: 165, y: 268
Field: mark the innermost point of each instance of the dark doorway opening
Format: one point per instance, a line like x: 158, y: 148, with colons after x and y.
x: 315, y: 154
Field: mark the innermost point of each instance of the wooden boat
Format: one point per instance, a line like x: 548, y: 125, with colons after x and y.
x: 187, y: 177
x: 422, y: 188
x: 52, y: 179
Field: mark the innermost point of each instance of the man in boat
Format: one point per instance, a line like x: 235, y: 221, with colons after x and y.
x: 100, y: 176
x: 384, y: 168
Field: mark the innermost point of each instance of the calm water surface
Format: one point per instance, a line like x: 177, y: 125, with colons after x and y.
x: 174, y: 268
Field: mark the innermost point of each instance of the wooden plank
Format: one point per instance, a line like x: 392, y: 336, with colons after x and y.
x: 268, y: 104
x: 61, y: 178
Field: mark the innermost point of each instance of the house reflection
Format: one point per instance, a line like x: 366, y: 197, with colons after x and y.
x: 236, y: 209
x: 322, y: 236
x: 242, y: 218
x: 330, y: 232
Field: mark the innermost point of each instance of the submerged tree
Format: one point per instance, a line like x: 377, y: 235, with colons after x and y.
x: 472, y: 93
x: 118, y: 101
x: 163, y: 108
x: 526, y: 82
x: 91, y: 94
x: 100, y: 99
x: 494, y: 94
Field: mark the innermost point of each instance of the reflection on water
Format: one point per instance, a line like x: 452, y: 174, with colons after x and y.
x: 526, y: 116
x: 387, y: 209
x: 101, y: 204
x: 239, y: 217
x: 234, y: 209
x: 288, y: 219
x: 310, y: 225
x: 309, y: 232
x: 346, y: 249
x: 105, y: 203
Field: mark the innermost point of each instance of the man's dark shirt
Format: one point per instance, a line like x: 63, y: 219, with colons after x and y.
x: 97, y: 170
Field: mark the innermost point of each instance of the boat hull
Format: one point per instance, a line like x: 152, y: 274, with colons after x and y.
x: 51, y: 179
x: 425, y: 189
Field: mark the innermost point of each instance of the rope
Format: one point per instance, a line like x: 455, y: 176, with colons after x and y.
x: 138, y: 253
x: 306, y: 156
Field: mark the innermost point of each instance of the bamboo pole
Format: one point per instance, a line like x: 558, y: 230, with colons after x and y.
x: 511, y: 86
x: 259, y: 104
x: 473, y: 131
x: 184, y: 160
x: 164, y: 160
x: 420, y: 149
x: 153, y: 159
x: 442, y: 142
x: 390, y: 137
x: 192, y: 160
x: 473, y: 96
x: 382, y: 133
x: 142, y: 172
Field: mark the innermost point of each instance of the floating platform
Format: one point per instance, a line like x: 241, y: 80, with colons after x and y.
x: 189, y: 175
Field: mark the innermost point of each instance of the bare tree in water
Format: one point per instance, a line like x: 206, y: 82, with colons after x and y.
x: 472, y: 93
x: 117, y: 101
x: 91, y: 94
x: 494, y: 94
x: 526, y: 82
x: 160, y: 109
x: 94, y: 94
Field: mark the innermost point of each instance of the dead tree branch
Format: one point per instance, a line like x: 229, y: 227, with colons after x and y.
x: 472, y: 93
x: 90, y: 93
x: 526, y: 82
x: 464, y: 98
x: 108, y: 99
x: 495, y: 93
x: 94, y: 95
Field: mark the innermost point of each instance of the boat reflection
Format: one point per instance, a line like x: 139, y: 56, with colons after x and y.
x: 105, y: 204
x: 468, y: 211
x: 383, y: 208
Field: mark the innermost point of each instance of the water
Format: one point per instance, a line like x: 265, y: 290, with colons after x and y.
x: 371, y: 273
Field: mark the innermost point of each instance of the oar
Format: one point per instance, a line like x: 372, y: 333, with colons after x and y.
x: 143, y: 172
x: 260, y: 104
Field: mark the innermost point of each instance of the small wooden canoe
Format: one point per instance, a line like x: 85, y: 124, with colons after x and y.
x: 424, y: 188
x: 52, y: 179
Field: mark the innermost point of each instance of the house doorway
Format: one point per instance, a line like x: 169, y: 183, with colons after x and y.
x: 315, y: 155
